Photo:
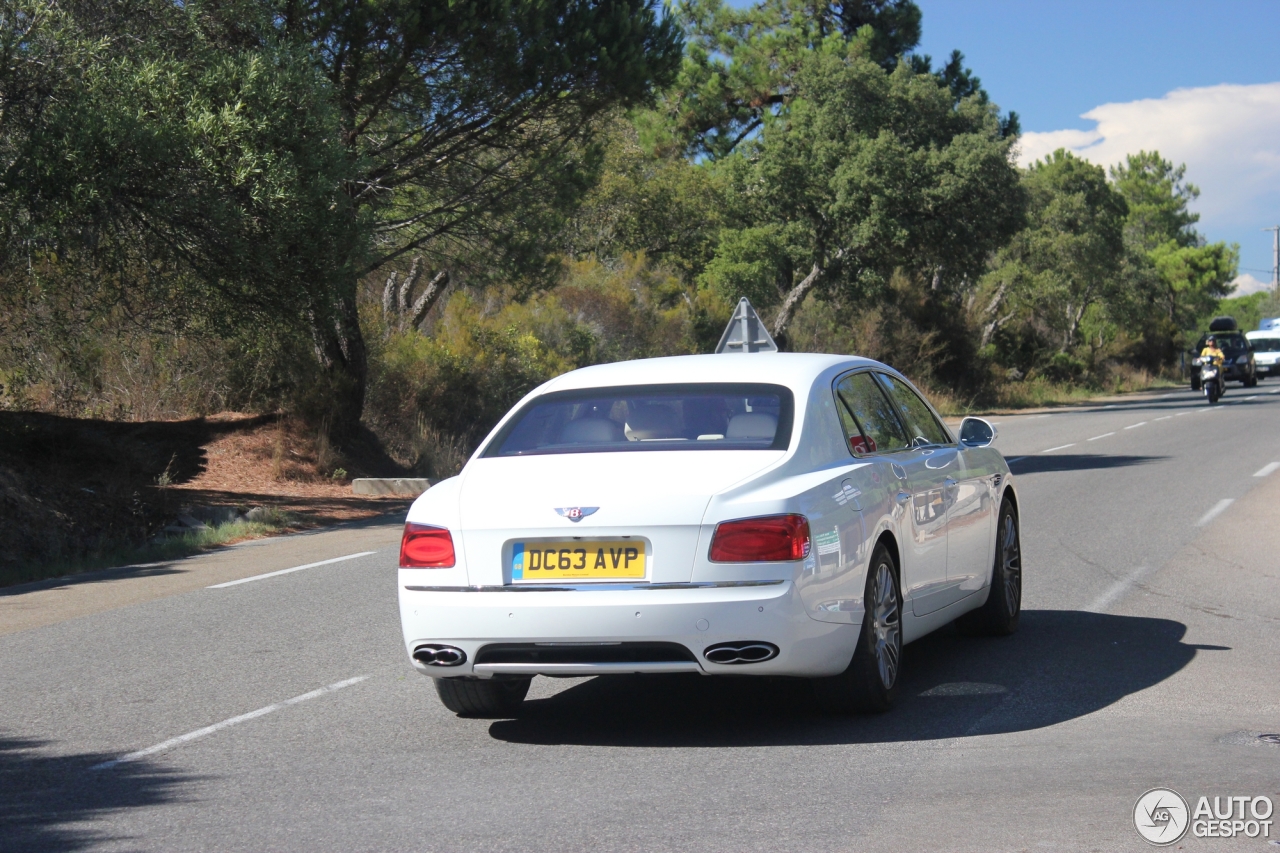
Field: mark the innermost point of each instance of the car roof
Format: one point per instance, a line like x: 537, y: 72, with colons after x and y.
x: 793, y: 370
x: 1263, y: 333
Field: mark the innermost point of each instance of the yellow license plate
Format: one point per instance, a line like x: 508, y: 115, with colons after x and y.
x: 562, y: 562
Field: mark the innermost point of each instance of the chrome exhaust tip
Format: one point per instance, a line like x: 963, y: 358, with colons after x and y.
x: 742, y: 651
x: 435, y: 655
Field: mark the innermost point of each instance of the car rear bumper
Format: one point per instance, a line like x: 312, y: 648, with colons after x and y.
x: 693, y: 616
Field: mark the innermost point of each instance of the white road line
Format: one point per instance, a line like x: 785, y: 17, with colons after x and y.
x: 1172, y: 394
x: 1117, y: 589
x: 1218, y: 509
x: 1254, y: 397
x: 1104, y: 435
x: 1267, y: 469
x: 1165, y: 418
x: 1274, y: 391
x: 294, y: 569
x: 1034, y: 417
x: 1180, y: 414
x: 225, y: 724
x: 1059, y: 447
x: 1135, y: 426
x: 1112, y: 406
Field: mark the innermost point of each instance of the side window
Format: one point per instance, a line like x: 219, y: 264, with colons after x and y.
x: 921, y: 423
x: 867, y: 416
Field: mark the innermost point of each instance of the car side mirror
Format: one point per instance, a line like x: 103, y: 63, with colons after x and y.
x: 975, y: 432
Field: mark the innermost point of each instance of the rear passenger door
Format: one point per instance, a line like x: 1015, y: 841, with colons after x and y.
x: 935, y: 486
x: 876, y: 425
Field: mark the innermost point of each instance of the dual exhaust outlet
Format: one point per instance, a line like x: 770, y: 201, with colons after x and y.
x: 740, y: 652
x: 434, y: 655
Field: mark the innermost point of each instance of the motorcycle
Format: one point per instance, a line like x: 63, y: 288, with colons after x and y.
x: 1211, y: 382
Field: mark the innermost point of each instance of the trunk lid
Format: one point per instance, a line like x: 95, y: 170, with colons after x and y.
x: 656, y: 497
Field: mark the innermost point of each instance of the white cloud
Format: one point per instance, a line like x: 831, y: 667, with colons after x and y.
x: 1246, y: 284
x: 1228, y: 136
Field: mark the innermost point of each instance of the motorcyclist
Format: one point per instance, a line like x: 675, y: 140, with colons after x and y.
x: 1212, y: 356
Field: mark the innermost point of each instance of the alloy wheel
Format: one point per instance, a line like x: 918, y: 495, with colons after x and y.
x: 1011, y: 559
x: 887, y: 625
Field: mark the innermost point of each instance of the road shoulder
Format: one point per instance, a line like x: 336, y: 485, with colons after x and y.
x: 56, y: 600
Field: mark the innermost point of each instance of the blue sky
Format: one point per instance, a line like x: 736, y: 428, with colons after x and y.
x: 1053, y: 61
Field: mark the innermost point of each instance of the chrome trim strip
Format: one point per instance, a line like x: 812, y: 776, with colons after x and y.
x: 531, y: 587
x: 583, y: 668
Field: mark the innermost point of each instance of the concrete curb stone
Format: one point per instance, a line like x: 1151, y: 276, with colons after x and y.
x: 399, y: 486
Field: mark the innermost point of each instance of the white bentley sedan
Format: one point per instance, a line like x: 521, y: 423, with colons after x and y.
x: 736, y: 514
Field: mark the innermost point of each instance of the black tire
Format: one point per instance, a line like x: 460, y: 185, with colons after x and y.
x: 870, y: 683
x: 1213, y: 395
x: 1251, y: 382
x: 473, y: 697
x: 1195, y: 384
x: 999, y: 616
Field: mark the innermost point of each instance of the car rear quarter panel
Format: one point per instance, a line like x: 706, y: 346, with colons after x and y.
x: 438, y: 506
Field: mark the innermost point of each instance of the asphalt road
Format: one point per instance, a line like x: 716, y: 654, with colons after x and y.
x: 281, y: 714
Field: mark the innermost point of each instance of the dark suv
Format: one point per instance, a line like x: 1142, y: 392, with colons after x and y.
x: 1239, y: 356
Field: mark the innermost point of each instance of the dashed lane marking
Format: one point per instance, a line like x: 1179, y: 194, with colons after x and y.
x: 1267, y: 469
x: 1218, y: 509
x: 1165, y: 418
x: 1104, y: 435
x: 1254, y: 397
x: 1059, y: 447
x: 225, y: 724
x: 1117, y: 589
x: 294, y: 569
x: 1135, y: 426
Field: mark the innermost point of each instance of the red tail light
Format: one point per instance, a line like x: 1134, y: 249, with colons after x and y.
x: 775, y: 538
x: 426, y: 547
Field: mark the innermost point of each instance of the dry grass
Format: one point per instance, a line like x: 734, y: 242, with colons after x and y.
x: 1040, y: 393
x: 158, y: 550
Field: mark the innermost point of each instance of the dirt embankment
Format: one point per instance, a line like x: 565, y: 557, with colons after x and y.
x: 72, y: 489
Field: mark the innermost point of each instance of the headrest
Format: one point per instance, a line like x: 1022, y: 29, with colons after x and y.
x: 755, y: 425
x: 590, y: 431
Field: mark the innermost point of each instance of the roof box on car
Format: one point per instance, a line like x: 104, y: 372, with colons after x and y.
x: 1223, y: 324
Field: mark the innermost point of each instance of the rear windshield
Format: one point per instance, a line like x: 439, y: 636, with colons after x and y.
x: 720, y: 416
x: 1265, y: 344
x: 1226, y: 341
